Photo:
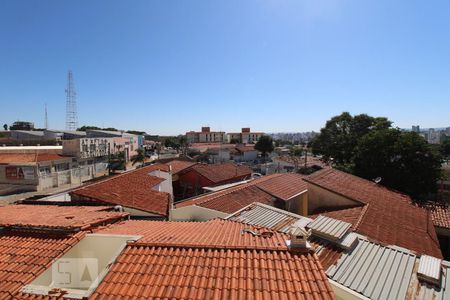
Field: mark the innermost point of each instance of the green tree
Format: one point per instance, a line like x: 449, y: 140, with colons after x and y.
x: 139, y: 157
x: 445, y: 148
x: 403, y: 160
x: 5, y: 127
x: 84, y: 128
x: 117, y: 161
x: 264, y: 145
x: 340, y: 136
x: 234, y: 141
x: 297, y: 151
x: 136, y: 132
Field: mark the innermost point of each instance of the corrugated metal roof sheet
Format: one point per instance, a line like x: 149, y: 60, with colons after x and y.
x: 259, y: 214
x: 429, y: 268
x: 375, y: 271
x: 423, y: 291
x: 329, y: 228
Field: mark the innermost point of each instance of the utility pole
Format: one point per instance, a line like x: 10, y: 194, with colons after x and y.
x: 46, y: 117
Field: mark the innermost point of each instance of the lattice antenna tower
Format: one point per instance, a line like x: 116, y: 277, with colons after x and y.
x: 71, y: 104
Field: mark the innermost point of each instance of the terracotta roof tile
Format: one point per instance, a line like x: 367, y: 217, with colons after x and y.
x: 8, y: 158
x: 262, y: 190
x: 440, y: 215
x: 213, y: 233
x: 24, y: 255
x: 231, y: 200
x: 56, y: 217
x: 351, y: 215
x: 300, y: 161
x: 283, y: 186
x: 389, y: 217
x: 210, y: 260
x: 218, y: 173
x: 131, y: 189
x: 193, y: 273
x: 180, y: 165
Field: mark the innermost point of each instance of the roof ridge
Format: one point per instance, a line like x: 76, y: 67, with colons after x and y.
x: 223, y: 246
x: 117, y: 176
x: 361, y: 216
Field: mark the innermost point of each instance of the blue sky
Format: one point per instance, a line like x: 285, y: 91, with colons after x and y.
x: 274, y: 65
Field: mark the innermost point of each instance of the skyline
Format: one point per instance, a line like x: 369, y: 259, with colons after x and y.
x: 274, y: 66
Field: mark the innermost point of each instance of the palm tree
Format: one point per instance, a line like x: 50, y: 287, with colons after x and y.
x: 139, y: 157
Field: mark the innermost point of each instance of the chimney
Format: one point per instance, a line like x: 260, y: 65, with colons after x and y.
x: 299, y: 239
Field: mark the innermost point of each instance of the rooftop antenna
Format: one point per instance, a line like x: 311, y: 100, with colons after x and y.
x: 71, y: 104
x: 377, y: 180
x: 46, y: 117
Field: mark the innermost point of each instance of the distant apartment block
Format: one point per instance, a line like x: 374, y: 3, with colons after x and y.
x: 244, y: 137
x: 205, y: 136
x: 88, y: 147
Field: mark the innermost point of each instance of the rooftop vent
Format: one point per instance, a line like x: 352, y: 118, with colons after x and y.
x: 430, y: 269
x: 328, y: 228
x: 299, y: 239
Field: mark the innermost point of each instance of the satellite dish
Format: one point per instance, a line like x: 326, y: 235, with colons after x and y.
x: 377, y: 180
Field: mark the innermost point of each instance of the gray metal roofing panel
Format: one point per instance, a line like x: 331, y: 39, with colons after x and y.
x: 429, y: 268
x: 420, y: 290
x: 375, y: 271
x: 329, y: 227
x: 267, y: 216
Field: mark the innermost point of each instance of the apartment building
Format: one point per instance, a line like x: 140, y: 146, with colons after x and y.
x: 205, y: 136
x: 246, y: 136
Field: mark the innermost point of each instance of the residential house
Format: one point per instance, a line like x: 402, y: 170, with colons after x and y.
x: 358, y: 267
x: 170, y: 260
x: 285, y: 191
x: 289, y: 163
x: 244, y: 153
x: 32, y: 237
x: 193, y: 179
x: 217, y: 259
x: 145, y: 192
x: 377, y: 212
x: 23, y: 172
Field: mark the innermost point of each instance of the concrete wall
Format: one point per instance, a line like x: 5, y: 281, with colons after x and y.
x: 322, y: 198
x: 298, y: 204
x: 165, y: 186
x: 195, y: 213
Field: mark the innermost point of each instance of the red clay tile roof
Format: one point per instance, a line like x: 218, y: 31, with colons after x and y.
x: 213, y: 233
x: 218, y: 173
x: 131, y: 189
x: 154, y: 272
x: 283, y: 186
x: 210, y: 260
x: 231, y: 199
x: 180, y: 165
x: 350, y: 215
x: 262, y: 190
x: 70, y: 218
x: 300, y: 161
x: 8, y: 158
x: 24, y: 255
x: 440, y: 215
x: 389, y: 217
